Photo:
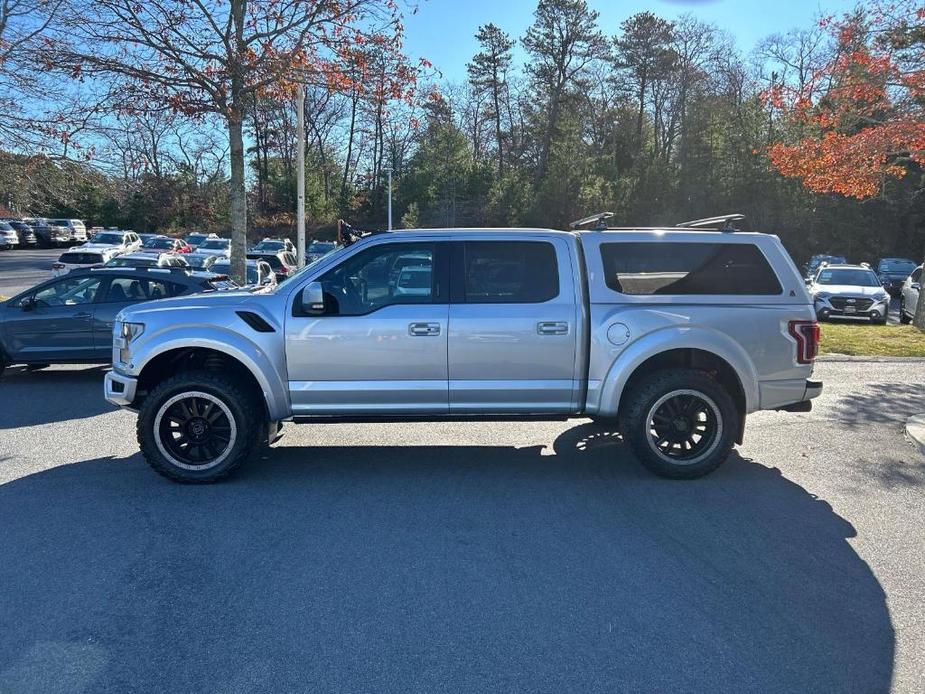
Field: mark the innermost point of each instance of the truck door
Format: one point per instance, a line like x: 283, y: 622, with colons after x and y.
x: 513, y: 319
x: 380, y: 347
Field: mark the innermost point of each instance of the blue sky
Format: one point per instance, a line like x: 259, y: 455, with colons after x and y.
x: 442, y: 30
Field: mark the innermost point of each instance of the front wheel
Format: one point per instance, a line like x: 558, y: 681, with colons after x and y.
x: 680, y: 423
x: 198, y: 426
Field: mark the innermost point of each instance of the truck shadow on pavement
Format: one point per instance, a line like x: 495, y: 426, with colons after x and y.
x: 32, y: 398
x: 435, y: 568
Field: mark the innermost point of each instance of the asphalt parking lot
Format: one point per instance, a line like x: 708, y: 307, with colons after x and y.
x: 453, y: 557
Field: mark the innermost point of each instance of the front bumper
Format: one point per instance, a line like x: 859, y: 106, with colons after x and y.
x: 119, y: 389
x: 876, y: 310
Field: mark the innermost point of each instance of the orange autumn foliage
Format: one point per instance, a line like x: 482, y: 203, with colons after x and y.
x: 860, y: 120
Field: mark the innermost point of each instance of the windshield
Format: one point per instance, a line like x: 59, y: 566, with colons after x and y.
x: 196, y: 238
x: 159, y: 243
x: 897, y: 266
x: 320, y: 246
x: 81, y: 258
x: 122, y: 261
x: 856, y: 278
x: 107, y: 237
x: 295, y: 274
x: 270, y: 246
x: 217, y: 244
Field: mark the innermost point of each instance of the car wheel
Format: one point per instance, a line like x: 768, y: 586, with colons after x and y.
x: 680, y: 423
x: 904, y: 318
x: 198, y: 426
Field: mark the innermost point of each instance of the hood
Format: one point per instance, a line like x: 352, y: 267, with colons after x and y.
x: 847, y: 290
x: 204, y: 302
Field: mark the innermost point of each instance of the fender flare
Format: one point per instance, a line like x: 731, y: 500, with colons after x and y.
x: 672, y: 338
x: 231, y: 344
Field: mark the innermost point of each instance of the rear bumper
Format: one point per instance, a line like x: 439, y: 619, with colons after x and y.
x: 789, y: 394
x: 118, y: 389
x: 813, y: 390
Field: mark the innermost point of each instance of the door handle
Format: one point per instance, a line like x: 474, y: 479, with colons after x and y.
x: 81, y: 315
x: 423, y: 329
x: 552, y: 328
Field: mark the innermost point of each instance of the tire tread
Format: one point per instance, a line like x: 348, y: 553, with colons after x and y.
x: 225, y: 386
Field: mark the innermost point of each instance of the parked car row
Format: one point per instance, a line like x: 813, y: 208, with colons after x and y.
x: 20, y: 232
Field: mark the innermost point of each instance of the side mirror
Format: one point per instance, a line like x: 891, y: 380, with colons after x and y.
x: 916, y: 286
x: 313, y: 299
x: 27, y: 304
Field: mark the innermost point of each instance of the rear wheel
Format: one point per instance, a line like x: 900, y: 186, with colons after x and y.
x: 904, y: 318
x: 198, y: 426
x: 680, y: 423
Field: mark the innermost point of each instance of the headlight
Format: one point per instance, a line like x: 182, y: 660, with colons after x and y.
x: 882, y: 296
x: 123, y: 334
x: 130, y: 331
x: 822, y: 295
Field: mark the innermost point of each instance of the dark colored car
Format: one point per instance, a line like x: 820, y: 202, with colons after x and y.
x: 26, y: 234
x: 273, y: 246
x: 69, y: 319
x: 46, y: 235
x: 283, y: 263
x: 813, y: 264
x: 893, y: 272
x: 166, y: 244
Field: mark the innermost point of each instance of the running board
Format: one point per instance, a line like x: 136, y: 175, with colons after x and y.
x: 390, y: 418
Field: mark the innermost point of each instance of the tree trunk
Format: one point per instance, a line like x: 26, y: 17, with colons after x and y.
x: 238, y: 197
x: 495, y: 97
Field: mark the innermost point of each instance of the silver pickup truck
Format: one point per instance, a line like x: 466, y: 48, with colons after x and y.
x: 672, y: 335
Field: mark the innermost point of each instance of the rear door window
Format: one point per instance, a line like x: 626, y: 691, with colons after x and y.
x: 680, y: 268
x: 80, y: 258
x: 509, y: 272
x: 122, y: 289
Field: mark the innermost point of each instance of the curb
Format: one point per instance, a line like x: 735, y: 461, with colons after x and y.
x: 915, y: 432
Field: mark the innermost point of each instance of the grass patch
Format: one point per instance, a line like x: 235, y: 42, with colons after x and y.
x: 859, y: 339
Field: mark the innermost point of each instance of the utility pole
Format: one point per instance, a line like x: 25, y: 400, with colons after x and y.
x: 389, y: 171
x: 300, y: 156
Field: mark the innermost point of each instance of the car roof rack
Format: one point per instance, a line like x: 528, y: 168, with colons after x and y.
x: 725, y: 222
x: 598, y: 220
x: 348, y: 234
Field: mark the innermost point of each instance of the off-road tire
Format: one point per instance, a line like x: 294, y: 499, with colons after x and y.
x: 241, y: 403
x: 646, y: 393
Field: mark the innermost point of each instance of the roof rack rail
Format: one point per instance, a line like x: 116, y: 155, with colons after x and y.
x: 598, y: 220
x: 725, y: 222
x: 347, y: 234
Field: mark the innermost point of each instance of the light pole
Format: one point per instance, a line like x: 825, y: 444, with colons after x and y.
x: 300, y: 156
x: 388, y: 170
